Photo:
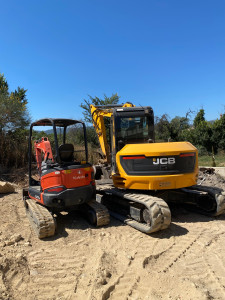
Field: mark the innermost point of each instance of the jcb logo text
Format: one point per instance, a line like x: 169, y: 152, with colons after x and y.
x: 164, y: 161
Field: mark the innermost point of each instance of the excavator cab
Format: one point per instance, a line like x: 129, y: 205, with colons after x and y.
x: 130, y: 126
x: 133, y: 127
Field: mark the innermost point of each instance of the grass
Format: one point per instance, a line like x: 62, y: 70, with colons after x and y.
x: 206, y: 160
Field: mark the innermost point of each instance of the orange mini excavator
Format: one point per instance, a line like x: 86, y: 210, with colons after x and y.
x: 63, y: 182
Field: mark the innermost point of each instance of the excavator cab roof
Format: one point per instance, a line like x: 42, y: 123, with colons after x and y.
x: 56, y: 122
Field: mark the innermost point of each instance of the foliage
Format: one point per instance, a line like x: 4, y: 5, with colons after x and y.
x: 218, y: 133
x: 14, y: 119
x: 167, y: 130
x: 91, y: 136
x: 114, y: 99
x: 13, y: 107
x: 162, y: 128
x: 207, y: 135
x: 204, y: 135
x: 200, y: 117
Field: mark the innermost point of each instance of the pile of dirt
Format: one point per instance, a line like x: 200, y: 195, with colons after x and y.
x: 208, y: 177
x: 16, y: 176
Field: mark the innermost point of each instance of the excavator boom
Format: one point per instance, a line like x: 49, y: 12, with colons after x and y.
x: 42, y: 146
x: 99, y: 112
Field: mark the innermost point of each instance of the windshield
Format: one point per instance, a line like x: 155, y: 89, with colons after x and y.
x: 134, y: 130
x: 75, y: 136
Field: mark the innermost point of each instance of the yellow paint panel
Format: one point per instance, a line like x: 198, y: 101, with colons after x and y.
x: 155, y: 182
x: 157, y: 149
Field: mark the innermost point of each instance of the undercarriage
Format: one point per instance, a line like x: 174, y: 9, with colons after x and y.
x: 148, y: 211
x: 44, y: 223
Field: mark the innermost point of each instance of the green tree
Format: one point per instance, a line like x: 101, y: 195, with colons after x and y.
x: 3, y: 85
x: 162, y: 128
x: 166, y: 129
x: 13, y: 107
x: 203, y: 134
x: 177, y: 125
x: 14, y: 119
x: 114, y: 99
x: 206, y: 135
x: 218, y: 133
x: 200, y: 117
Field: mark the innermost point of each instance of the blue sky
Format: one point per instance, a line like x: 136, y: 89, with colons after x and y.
x: 169, y: 54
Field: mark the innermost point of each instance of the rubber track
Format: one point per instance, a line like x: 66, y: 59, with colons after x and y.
x: 217, y: 193
x: 158, y: 209
x: 40, y: 218
x: 102, y: 213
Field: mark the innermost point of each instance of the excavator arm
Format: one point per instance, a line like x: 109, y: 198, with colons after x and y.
x: 98, y: 115
x: 42, y: 146
x: 99, y: 112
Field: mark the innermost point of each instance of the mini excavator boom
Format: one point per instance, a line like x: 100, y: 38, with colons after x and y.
x: 43, y: 147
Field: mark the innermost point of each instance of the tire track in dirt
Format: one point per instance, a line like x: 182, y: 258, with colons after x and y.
x: 15, y: 275
x: 144, y: 245
x: 131, y: 286
x: 124, y: 282
x: 123, y: 285
x: 160, y: 262
x: 163, y: 261
x: 204, y: 266
x: 130, y: 278
x: 103, y: 273
x: 216, y: 263
x: 58, y: 272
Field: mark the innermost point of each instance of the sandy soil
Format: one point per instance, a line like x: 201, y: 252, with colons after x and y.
x: 186, y: 261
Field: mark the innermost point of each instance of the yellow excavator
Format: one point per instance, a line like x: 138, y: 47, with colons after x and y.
x: 138, y: 177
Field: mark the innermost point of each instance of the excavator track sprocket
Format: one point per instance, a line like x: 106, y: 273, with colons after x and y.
x: 40, y: 218
x: 156, y: 213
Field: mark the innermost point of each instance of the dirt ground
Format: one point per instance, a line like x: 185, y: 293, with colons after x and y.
x: 186, y: 261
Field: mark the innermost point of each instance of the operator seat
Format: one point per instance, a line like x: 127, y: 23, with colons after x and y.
x: 66, y: 152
